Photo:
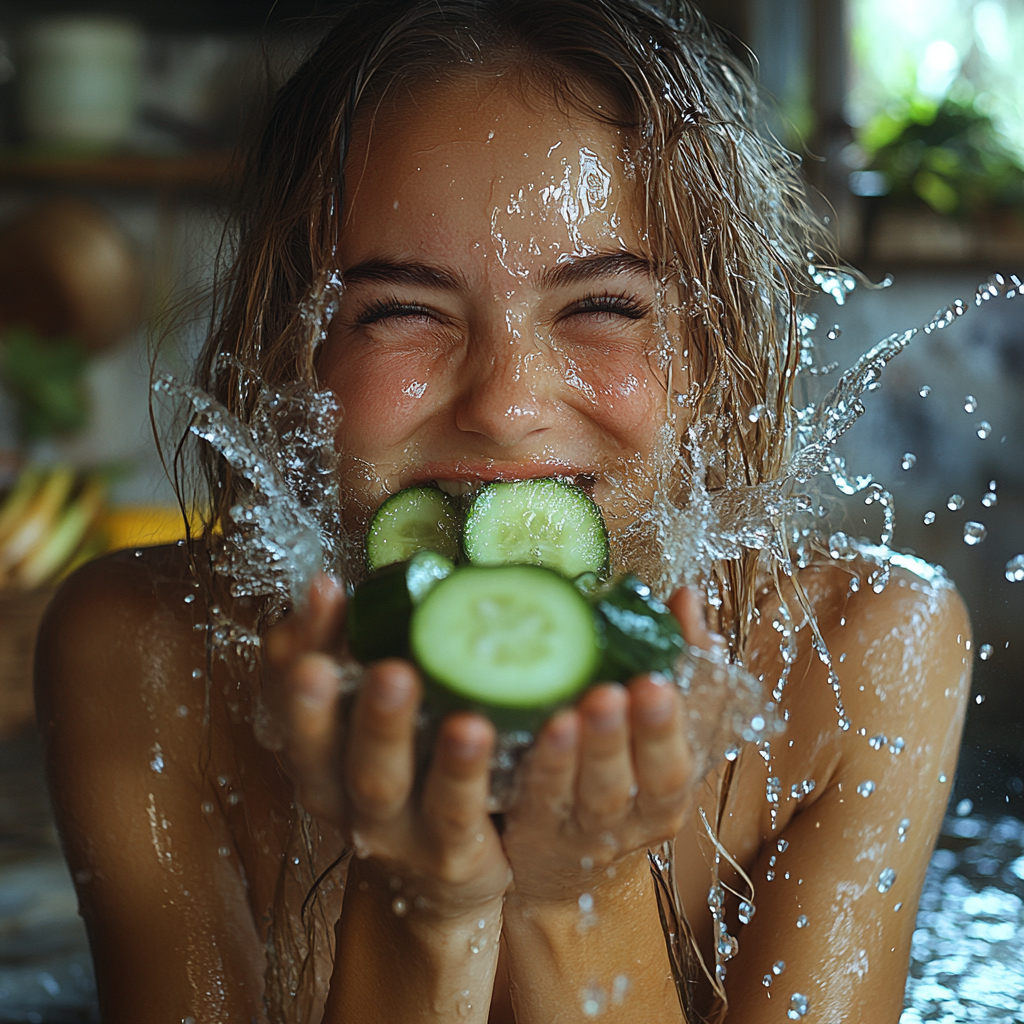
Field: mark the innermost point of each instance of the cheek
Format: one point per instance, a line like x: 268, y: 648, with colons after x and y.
x: 621, y: 392
x: 383, y: 395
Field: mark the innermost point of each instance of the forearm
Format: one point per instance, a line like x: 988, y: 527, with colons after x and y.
x: 409, y: 965
x: 571, y: 962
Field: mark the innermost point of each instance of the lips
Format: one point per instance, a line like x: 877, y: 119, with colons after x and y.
x: 459, y: 485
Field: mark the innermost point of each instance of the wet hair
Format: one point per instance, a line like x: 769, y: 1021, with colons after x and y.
x: 725, y: 208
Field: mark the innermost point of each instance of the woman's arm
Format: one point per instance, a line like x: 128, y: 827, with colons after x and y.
x: 169, y: 925
x: 840, y: 911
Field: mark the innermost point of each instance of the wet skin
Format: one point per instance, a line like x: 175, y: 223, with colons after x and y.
x: 526, y: 372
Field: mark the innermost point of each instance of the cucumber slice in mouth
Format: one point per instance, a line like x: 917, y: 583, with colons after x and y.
x: 512, y: 641
x: 544, y: 522
x: 414, y: 519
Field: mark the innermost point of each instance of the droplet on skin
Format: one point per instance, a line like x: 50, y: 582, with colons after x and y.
x: 879, y: 741
x: 593, y: 1000
x: 985, y: 651
x: 955, y: 502
x: 839, y: 547
x: 766, y: 981
x: 586, y: 903
x: 197, y: 673
x: 746, y: 911
x: 897, y: 745
x: 929, y: 518
x: 866, y: 788
x: 801, y: 921
x: 778, y: 967
x: 399, y: 907
x: 901, y: 829
x: 885, y: 880
x: 942, y: 778
x: 798, y: 1005
x: 223, y: 851
x: 974, y: 533
x: 189, y: 598
x: 782, y: 845
x: 909, y: 460
x: 755, y: 413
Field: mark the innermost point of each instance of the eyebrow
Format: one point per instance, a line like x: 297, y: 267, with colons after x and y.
x: 575, y: 270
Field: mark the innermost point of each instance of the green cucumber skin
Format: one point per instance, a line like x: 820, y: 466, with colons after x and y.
x: 381, y: 607
x: 493, y: 492
x: 641, y: 634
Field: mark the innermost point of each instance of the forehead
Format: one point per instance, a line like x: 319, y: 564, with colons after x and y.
x: 475, y: 162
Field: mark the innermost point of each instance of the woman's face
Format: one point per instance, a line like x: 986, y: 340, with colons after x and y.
x: 500, y: 317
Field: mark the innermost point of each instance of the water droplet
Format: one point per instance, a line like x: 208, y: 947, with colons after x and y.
x: 909, y: 460
x: 206, y: 807
x: 746, y: 911
x: 839, y: 547
x: 955, y: 502
x: 1015, y: 569
x: 979, y: 699
x: 984, y: 429
x: 778, y: 967
x: 766, y: 981
x: 197, y: 673
x: 782, y: 845
x: 897, y: 745
x: 964, y: 807
x: 924, y: 391
x: 985, y: 651
x: 755, y: 413
x: 727, y: 946
x: 929, y: 518
x: 901, y: 829
x: 970, y: 403
x: 586, y: 903
x: 801, y: 921
x: 879, y: 741
x: 399, y: 907
x: 620, y: 988
x: 223, y: 851
x: 942, y: 778
x: 989, y: 499
x: 183, y: 711
x: 189, y: 598
x: 593, y: 1000
x: 866, y: 788
x: 797, y: 1006
x: 587, y: 863
x: 974, y: 533
x: 897, y: 907
x: 138, y: 554
x: 716, y: 898
x: 885, y: 880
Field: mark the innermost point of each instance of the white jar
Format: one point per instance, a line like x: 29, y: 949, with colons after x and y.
x: 80, y: 80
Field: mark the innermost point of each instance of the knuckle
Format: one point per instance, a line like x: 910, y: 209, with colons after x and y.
x: 374, y: 791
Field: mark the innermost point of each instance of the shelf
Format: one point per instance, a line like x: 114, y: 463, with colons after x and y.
x: 202, y: 172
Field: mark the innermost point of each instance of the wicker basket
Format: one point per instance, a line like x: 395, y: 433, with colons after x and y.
x: 21, y: 611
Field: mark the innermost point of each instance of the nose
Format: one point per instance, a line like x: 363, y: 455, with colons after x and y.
x: 502, y: 394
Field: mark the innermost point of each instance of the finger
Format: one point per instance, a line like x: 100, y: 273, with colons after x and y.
x: 379, y: 758
x: 548, y: 775
x: 604, y: 787
x: 690, y: 609
x: 311, y: 627
x: 312, y: 733
x: 456, y: 787
x: 661, y: 756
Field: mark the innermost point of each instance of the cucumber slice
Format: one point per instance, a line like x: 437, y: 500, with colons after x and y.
x: 382, y: 606
x: 641, y: 634
x: 536, y: 522
x: 414, y: 519
x: 512, y: 641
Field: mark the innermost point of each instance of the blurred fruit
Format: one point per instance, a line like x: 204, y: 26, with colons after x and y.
x: 67, y: 270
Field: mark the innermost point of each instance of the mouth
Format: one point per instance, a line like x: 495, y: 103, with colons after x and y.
x: 461, y: 487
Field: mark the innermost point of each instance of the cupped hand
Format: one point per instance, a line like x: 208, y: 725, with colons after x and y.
x: 434, y: 839
x: 605, y: 781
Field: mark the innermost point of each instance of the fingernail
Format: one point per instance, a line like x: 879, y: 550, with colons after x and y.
x: 609, y: 720
x: 390, y: 692
x: 561, y: 733
x: 657, y: 710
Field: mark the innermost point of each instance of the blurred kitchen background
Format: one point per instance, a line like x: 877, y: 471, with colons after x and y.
x: 117, y: 124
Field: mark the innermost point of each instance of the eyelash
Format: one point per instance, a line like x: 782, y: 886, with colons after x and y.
x: 623, y: 304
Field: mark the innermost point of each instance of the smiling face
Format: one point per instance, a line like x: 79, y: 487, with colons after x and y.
x: 500, y: 317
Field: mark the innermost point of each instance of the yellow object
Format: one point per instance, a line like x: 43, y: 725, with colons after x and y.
x: 68, y: 532
x: 39, y: 516
x: 145, y: 525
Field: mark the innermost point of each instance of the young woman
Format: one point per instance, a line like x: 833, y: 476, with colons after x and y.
x: 563, y: 250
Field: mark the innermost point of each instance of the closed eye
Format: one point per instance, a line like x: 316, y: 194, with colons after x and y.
x: 389, y: 309
x: 627, y: 306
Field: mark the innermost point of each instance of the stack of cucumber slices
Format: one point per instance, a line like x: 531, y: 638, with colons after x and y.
x: 504, y: 602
